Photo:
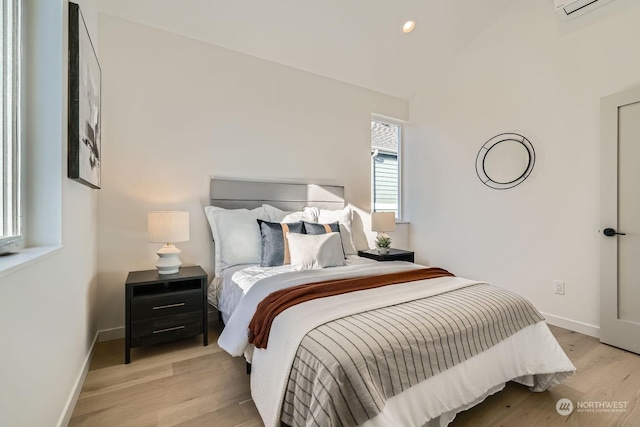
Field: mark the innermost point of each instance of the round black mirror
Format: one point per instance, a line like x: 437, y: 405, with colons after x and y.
x: 505, y: 161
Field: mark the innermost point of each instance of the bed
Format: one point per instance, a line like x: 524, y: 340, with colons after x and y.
x: 404, y: 348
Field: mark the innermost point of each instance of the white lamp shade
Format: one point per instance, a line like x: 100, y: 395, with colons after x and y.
x: 383, y: 221
x: 168, y: 226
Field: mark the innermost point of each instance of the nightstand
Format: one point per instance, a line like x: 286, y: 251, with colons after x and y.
x: 393, y: 255
x: 161, y: 308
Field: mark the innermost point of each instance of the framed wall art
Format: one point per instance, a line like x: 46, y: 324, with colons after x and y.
x: 84, y: 103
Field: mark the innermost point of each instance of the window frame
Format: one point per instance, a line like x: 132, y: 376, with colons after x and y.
x: 399, y: 124
x: 12, y: 184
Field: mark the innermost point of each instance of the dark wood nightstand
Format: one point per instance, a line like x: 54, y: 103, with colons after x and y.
x: 161, y: 308
x: 393, y: 255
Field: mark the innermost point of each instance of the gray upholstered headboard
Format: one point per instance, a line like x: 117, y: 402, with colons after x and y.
x: 236, y: 194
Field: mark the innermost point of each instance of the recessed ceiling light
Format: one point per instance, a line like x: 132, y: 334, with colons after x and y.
x: 408, y: 26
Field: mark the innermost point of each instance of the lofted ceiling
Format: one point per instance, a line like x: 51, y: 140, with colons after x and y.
x: 354, y: 41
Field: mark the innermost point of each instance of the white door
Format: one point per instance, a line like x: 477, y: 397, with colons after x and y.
x: 620, y: 220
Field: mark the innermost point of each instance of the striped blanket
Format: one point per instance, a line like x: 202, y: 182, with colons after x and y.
x: 345, y: 370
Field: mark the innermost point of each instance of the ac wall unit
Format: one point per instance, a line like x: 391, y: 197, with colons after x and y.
x: 568, y: 9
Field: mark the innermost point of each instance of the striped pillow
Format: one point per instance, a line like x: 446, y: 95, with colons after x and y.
x: 274, y: 249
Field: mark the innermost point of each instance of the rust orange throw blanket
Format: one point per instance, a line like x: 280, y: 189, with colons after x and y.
x: 277, y: 302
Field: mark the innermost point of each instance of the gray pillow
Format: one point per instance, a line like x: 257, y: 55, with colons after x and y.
x: 274, y: 245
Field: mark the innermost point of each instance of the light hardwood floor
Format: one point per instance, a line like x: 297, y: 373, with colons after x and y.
x: 186, y: 384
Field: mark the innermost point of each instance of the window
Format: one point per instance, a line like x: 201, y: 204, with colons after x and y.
x: 385, y: 166
x: 10, y: 127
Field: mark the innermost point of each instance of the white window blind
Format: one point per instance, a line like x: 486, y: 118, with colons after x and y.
x: 10, y: 127
x: 385, y: 166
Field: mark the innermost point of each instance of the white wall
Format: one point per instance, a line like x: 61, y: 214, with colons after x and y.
x: 532, y: 74
x: 178, y: 111
x: 47, y: 309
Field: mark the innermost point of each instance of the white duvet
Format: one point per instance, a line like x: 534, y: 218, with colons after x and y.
x: 234, y: 339
x: 532, y: 355
x: 226, y: 291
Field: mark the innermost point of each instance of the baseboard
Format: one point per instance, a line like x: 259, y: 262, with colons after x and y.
x: 65, y: 417
x: 111, y: 334
x: 572, y: 325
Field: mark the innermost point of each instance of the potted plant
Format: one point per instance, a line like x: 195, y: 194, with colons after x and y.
x: 383, y: 243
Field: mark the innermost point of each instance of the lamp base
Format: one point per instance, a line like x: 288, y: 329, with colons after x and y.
x: 168, y: 261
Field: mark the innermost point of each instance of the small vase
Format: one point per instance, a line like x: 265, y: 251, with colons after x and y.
x: 383, y: 251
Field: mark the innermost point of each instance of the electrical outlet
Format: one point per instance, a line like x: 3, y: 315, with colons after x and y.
x: 558, y: 287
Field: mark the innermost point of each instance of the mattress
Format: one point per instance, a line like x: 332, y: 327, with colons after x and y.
x: 226, y: 291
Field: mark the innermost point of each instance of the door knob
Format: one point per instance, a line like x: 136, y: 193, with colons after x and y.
x: 611, y: 232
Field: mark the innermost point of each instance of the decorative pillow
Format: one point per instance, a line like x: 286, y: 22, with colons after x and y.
x: 274, y: 214
x: 236, y: 235
x: 275, y: 248
x: 315, y: 229
x: 343, y: 216
x: 311, y: 252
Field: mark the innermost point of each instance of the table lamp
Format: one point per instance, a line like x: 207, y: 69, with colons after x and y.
x: 168, y: 227
x: 383, y: 222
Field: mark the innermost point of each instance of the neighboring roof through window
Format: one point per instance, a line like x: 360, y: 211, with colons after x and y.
x: 384, y: 137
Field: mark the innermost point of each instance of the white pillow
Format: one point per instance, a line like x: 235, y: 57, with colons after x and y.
x: 236, y: 235
x: 277, y: 215
x: 311, y: 252
x: 311, y: 210
x: 343, y: 216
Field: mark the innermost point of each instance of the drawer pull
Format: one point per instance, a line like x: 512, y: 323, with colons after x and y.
x: 160, y: 307
x: 168, y: 329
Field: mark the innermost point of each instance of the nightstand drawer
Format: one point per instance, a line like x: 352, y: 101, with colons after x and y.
x: 165, y: 328
x: 153, y: 306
